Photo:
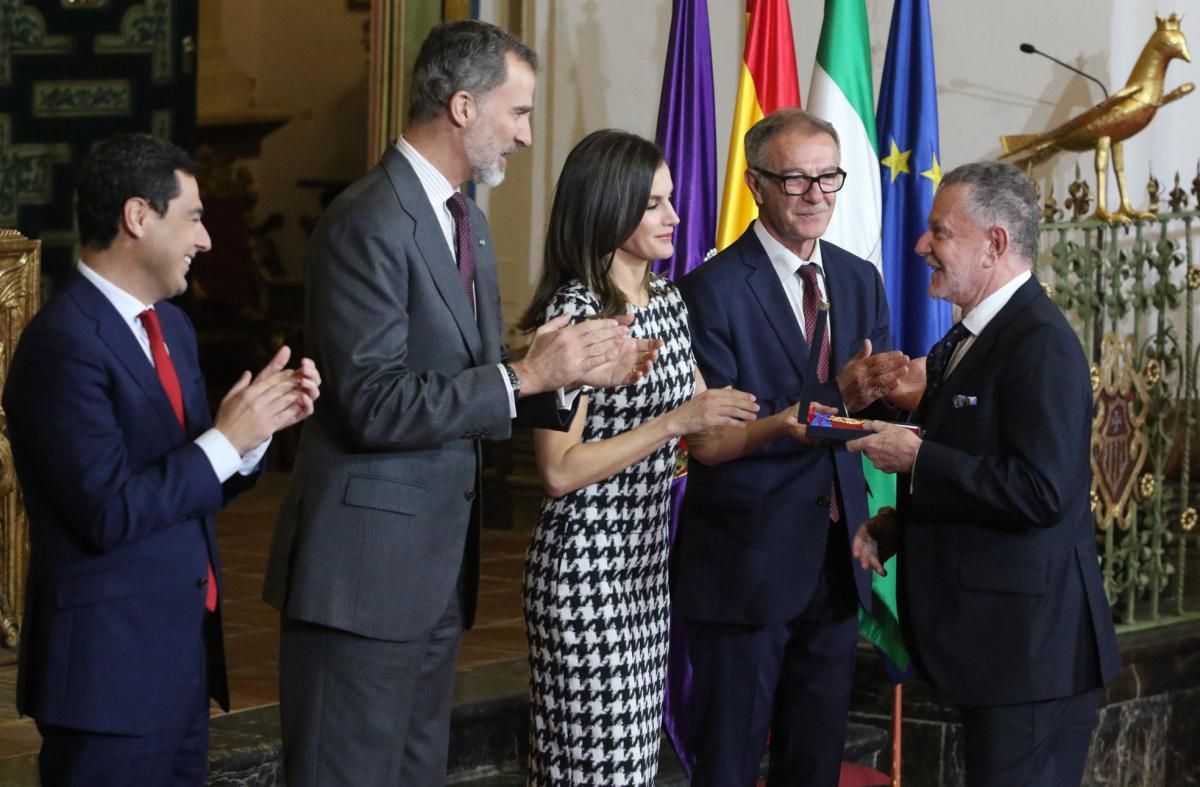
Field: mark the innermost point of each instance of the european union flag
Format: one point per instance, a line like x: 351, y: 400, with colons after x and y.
x: 907, y: 122
x: 907, y: 126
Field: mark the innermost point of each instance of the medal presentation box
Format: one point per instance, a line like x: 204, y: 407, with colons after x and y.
x: 841, y: 428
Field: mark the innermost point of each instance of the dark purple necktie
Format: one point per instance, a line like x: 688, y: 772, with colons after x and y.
x: 812, y: 297
x: 464, y: 243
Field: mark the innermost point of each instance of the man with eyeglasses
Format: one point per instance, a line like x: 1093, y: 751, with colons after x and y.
x: 763, y: 575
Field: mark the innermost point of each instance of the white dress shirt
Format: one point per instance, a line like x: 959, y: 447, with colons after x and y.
x: 221, y: 454
x: 787, y: 268
x: 979, y: 317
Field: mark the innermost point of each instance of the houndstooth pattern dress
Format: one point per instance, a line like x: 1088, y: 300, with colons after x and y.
x: 595, y: 592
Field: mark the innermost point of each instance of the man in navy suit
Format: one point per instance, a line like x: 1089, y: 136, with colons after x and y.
x: 122, y: 469
x: 762, y: 569
x: 1002, y: 601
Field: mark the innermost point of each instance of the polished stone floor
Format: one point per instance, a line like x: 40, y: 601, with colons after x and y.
x: 252, y: 628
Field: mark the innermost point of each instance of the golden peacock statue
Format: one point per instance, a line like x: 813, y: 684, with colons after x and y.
x: 1107, y: 125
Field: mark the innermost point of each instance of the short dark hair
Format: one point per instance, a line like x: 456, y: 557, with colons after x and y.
x: 779, y: 122
x: 1000, y: 194
x: 600, y: 200
x: 117, y: 170
x: 468, y: 55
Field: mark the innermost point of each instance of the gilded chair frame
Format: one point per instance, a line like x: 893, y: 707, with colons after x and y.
x: 20, y: 276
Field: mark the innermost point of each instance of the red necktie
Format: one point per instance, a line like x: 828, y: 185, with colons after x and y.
x: 812, y: 296
x: 170, y: 384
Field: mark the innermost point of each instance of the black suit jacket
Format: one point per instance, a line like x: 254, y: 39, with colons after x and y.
x: 1002, y: 598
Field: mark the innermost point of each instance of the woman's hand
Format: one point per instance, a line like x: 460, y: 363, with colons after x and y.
x: 713, y: 407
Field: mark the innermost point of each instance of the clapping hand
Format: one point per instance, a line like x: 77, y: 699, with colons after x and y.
x: 867, y: 378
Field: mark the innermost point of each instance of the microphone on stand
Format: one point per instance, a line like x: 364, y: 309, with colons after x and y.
x: 1030, y: 49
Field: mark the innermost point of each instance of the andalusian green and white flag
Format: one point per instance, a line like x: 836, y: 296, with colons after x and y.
x: 841, y: 94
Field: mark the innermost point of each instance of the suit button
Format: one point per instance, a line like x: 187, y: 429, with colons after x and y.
x: 469, y: 495
x: 823, y: 501
x: 202, y: 582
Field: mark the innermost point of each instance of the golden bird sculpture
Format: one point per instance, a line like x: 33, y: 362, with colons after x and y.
x: 1107, y: 125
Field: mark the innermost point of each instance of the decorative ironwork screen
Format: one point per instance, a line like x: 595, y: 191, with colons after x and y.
x: 1131, y: 293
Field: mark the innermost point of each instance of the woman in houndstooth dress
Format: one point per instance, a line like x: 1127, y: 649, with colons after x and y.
x: 595, y: 590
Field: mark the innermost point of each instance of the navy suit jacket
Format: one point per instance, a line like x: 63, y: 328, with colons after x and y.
x: 120, y: 505
x: 1002, y: 598
x: 752, y: 539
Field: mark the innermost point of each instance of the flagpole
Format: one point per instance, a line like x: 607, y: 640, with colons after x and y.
x: 897, y: 720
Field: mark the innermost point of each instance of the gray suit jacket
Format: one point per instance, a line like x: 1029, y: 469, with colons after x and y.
x: 381, y: 512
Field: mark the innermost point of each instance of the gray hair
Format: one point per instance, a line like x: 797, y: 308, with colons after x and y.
x: 782, y: 121
x: 1000, y: 195
x: 468, y: 55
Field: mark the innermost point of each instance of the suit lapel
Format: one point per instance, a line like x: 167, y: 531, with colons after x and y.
x: 837, y: 280
x: 191, y: 383
x: 764, y: 283
x: 431, y: 243
x: 119, y: 338
x: 978, y: 353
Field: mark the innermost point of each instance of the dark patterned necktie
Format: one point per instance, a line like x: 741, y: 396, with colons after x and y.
x: 939, y: 359
x: 812, y: 298
x: 167, y: 376
x: 464, y: 243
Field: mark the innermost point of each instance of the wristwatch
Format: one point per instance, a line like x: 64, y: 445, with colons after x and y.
x: 514, y: 380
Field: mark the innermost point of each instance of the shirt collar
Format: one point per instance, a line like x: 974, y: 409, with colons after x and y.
x: 786, y: 262
x: 128, y: 306
x: 436, y: 187
x: 979, y: 317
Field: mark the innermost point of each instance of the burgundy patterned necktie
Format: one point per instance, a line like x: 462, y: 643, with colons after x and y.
x: 812, y: 297
x: 464, y: 243
x: 170, y: 383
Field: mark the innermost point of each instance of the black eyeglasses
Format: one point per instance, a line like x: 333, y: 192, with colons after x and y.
x: 798, y: 185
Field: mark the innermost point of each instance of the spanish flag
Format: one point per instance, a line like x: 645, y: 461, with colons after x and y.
x: 768, y: 81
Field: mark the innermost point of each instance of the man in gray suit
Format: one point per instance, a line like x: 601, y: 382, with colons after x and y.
x: 374, y: 565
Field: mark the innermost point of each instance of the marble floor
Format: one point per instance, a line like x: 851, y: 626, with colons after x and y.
x: 252, y: 628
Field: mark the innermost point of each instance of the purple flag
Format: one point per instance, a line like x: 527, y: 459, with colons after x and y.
x: 687, y: 135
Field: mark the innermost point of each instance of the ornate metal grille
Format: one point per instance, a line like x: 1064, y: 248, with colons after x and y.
x: 1131, y: 293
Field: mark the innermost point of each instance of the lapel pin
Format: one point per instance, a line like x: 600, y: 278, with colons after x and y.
x: 482, y: 242
x: 960, y: 401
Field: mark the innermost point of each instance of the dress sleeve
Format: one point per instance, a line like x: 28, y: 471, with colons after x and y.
x: 575, y: 300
